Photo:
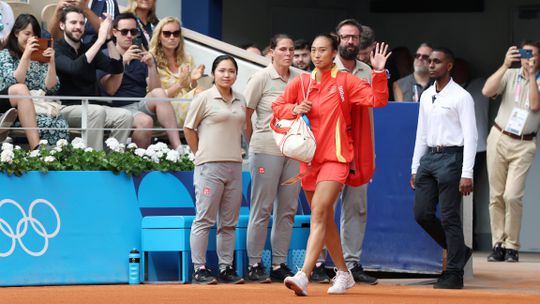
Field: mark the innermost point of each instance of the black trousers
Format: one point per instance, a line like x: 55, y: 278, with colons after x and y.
x: 437, y: 182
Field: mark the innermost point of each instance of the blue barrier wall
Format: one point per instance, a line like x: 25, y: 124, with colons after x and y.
x: 78, y: 227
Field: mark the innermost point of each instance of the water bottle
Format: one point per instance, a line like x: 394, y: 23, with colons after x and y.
x: 134, y: 260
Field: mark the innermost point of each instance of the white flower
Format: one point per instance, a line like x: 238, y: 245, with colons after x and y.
x: 52, y: 152
x: 161, y: 146
x: 7, y: 147
x: 160, y: 154
x: 17, y: 147
x: 34, y: 153
x: 89, y: 149
x: 132, y: 146
x: 155, y: 159
x: 121, y: 148
x: 57, y: 149
x: 139, y: 152
x: 113, y: 144
x: 7, y: 156
x: 43, y: 142
x: 150, y: 153
x: 78, y: 143
x: 61, y: 143
x: 173, y: 156
x: 191, y: 156
x: 49, y: 159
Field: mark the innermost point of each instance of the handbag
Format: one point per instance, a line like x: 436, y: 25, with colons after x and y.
x: 294, y: 137
x: 46, y: 107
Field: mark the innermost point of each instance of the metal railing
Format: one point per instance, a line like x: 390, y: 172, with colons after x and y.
x: 85, y: 102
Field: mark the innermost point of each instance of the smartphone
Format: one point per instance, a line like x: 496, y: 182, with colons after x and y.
x: 138, y: 42
x: 525, y: 54
x: 43, y: 44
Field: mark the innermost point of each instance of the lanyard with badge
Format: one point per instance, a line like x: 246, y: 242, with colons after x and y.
x: 518, y: 117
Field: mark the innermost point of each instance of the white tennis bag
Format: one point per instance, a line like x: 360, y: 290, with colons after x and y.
x: 293, y: 137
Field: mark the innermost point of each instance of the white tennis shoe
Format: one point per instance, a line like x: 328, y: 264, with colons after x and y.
x: 341, y: 282
x: 298, y: 283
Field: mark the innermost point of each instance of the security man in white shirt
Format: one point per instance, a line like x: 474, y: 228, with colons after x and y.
x: 442, y: 164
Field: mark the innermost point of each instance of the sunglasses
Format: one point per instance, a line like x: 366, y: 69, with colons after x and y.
x: 124, y: 32
x: 168, y: 34
x: 421, y: 57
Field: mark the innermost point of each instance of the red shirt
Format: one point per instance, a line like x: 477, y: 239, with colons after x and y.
x: 326, y: 116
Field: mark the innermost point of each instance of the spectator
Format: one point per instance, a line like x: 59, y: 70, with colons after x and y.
x: 253, y: 48
x: 77, y: 63
x: 213, y: 128
x: 409, y: 88
x: 442, y: 164
x: 140, y: 76
x: 269, y: 168
x: 302, y: 59
x: 329, y: 169
x: 511, y: 147
x: 177, y: 72
x: 145, y: 11
x: 93, y: 11
x: 367, y: 44
x: 19, y: 74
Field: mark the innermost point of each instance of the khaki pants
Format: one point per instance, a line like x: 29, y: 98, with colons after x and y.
x: 508, y: 162
x: 100, y: 117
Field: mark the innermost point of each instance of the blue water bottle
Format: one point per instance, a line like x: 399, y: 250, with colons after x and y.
x: 134, y: 261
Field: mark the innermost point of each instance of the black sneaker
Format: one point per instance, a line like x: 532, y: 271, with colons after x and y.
x: 229, y: 275
x: 449, y: 280
x: 203, y: 276
x: 319, y: 275
x: 360, y: 276
x: 281, y: 273
x: 256, y: 273
x: 511, y: 256
x: 497, y: 255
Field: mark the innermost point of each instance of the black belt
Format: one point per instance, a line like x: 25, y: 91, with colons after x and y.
x: 445, y: 149
x: 529, y: 136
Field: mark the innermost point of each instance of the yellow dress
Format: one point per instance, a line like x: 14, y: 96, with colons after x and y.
x: 168, y: 79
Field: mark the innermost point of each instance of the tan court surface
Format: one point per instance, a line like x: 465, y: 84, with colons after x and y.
x: 492, y: 283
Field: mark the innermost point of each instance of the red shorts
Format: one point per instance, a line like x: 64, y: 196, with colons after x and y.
x: 327, y: 171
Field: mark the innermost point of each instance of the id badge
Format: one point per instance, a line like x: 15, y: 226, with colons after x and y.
x: 517, y: 120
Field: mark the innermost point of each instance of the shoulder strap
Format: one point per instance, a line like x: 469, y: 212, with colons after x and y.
x: 304, y: 93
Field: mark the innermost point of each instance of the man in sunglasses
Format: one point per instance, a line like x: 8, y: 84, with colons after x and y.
x: 140, y: 73
x: 410, y: 87
x: 442, y: 164
x: 76, y: 65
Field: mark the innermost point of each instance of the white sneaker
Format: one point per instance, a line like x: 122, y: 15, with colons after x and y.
x: 341, y: 282
x: 298, y: 283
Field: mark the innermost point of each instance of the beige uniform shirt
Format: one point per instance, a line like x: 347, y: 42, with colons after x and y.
x: 361, y: 70
x: 219, y: 125
x: 262, y: 89
x: 514, y: 89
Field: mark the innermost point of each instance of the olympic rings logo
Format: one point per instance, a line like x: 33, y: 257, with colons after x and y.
x: 22, y: 227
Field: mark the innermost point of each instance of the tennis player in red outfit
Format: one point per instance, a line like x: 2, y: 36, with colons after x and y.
x: 325, y: 175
